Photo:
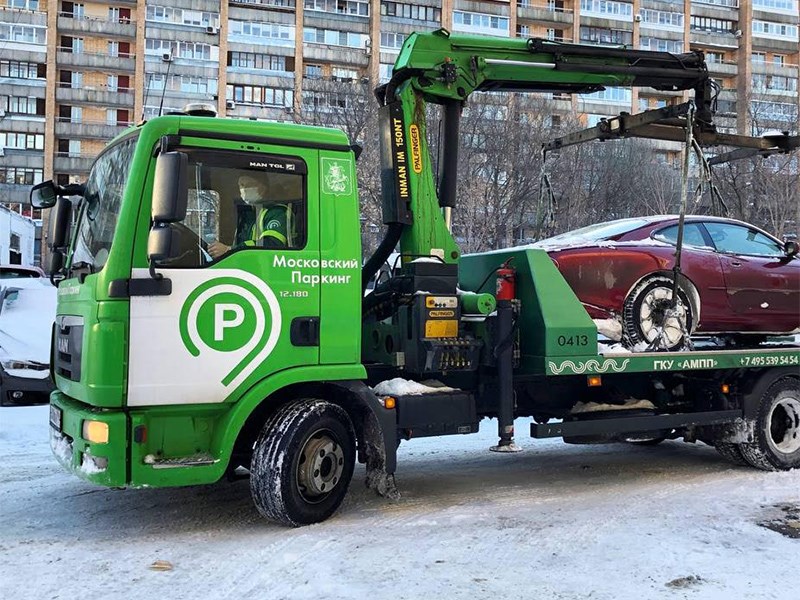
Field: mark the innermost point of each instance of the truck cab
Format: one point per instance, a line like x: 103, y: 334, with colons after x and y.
x: 138, y: 341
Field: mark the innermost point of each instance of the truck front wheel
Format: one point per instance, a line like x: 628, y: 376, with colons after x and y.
x: 777, y: 428
x: 303, y: 462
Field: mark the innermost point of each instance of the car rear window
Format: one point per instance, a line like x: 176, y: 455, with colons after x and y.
x: 692, y: 235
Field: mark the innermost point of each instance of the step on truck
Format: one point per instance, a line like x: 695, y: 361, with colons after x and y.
x: 212, y: 320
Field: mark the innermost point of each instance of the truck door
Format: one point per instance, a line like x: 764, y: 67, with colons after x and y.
x: 244, y: 298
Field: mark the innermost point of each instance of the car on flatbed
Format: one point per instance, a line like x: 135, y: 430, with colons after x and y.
x: 735, y: 279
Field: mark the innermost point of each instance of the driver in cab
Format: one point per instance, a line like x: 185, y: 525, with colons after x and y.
x: 265, y: 225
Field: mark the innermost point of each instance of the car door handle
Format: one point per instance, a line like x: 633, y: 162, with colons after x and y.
x: 736, y: 263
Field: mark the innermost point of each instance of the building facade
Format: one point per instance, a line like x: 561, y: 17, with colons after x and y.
x: 75, y: 74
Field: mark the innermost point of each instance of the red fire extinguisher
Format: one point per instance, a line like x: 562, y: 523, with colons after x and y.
x: 506, y: 282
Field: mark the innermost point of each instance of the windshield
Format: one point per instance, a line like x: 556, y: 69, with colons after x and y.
x: 101, y: 204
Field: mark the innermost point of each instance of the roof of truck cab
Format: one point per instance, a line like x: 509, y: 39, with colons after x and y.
x: 254, y: 131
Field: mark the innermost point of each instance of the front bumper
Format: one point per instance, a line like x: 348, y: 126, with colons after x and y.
x: 23, y: 391
x: 103, y: 464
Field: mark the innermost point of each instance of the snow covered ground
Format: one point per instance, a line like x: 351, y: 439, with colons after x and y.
x: 553, y: 522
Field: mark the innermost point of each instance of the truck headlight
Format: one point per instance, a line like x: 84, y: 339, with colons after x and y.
x: 95, y: 432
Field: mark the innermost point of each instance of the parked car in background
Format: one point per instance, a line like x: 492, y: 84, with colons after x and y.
x: 27, y: 312
x: 736, y: 279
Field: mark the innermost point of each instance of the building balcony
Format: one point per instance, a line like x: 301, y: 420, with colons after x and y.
x: 768, y: 68
x: 92, y: 26
x: 30, y: 88
x: 72, y: 164
x: 31, y: 159
x: 264, y: 78
x: 723, y: 68
x: 30, y: 53
x: 719, y: 9
x: 99, y: 62
x: 101, y: 97
x: 23, y: 17
x: 774, y: 44
x: 97, y: 130
x: 539, y: 12
x: 335, y: 54
x: 22, y: 123
x: 713, y: 39
x: 13, y: 193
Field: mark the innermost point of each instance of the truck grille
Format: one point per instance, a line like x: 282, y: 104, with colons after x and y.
x: 68, y: 346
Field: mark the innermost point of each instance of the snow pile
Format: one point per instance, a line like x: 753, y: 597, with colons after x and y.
x: 618, y: 348
x: 611, y: 328
x: 89, y: 466
x: 61, y: 447
x: 405, y: 387
x: 632, y: 404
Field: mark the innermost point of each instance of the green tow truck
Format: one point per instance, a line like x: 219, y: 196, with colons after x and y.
x: 177, y: 367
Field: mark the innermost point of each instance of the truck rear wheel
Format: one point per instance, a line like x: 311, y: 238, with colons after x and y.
x: 777, y: 428
x: 303, y: 462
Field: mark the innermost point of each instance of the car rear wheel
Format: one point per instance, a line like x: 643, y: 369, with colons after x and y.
x: 650, y: 319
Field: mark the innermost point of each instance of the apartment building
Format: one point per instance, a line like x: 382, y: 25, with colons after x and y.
x: 74, y: 74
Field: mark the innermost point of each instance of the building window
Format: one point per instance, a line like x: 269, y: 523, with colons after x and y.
x: 599, y: 35
x: 358, y: 8
x: 22, y: 105
x: 787, y: 6
x: 770, y: 29
x: 22, y: 141
x: 667, y: 20
x: 714, y: 57
x: 608, y: 9
x: 774, y: 83
x: 709, y: 25
x: 612, y: 94
x: 411, y: 11
x: 343, y: 74
x: 261, y: 62
x: 393, y: 41
x: 262, y: 96
x: 662, y: 45
x: 313, y: 71
x: 21, y: 70
x: 257, y: 31
x: 473, y: 22
x: 23, y: 34
x: 181, y: 16
x: 334, y: 37
x: 20, y: 175
x: 758, y: 57
x: 779, y: 59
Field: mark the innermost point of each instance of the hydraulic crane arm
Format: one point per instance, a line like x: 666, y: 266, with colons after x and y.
x: 444, y: 69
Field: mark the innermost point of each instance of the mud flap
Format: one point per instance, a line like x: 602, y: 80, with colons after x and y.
x: 377, y: 434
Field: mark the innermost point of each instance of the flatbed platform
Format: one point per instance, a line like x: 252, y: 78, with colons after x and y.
x: 692, y: 360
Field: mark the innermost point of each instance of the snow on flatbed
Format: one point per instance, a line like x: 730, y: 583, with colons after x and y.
x: 555, y: 521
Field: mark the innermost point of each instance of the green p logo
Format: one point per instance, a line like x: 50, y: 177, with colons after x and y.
x: 233, y: 320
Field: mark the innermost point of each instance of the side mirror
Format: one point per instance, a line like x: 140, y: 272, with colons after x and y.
x: 170, y: 189
x: 162, y: 243
x: 59, y: 223
x: 44, y: 195
x: 791, y: 248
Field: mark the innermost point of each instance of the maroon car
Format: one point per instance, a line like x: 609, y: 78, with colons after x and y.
x: 737, y: 279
